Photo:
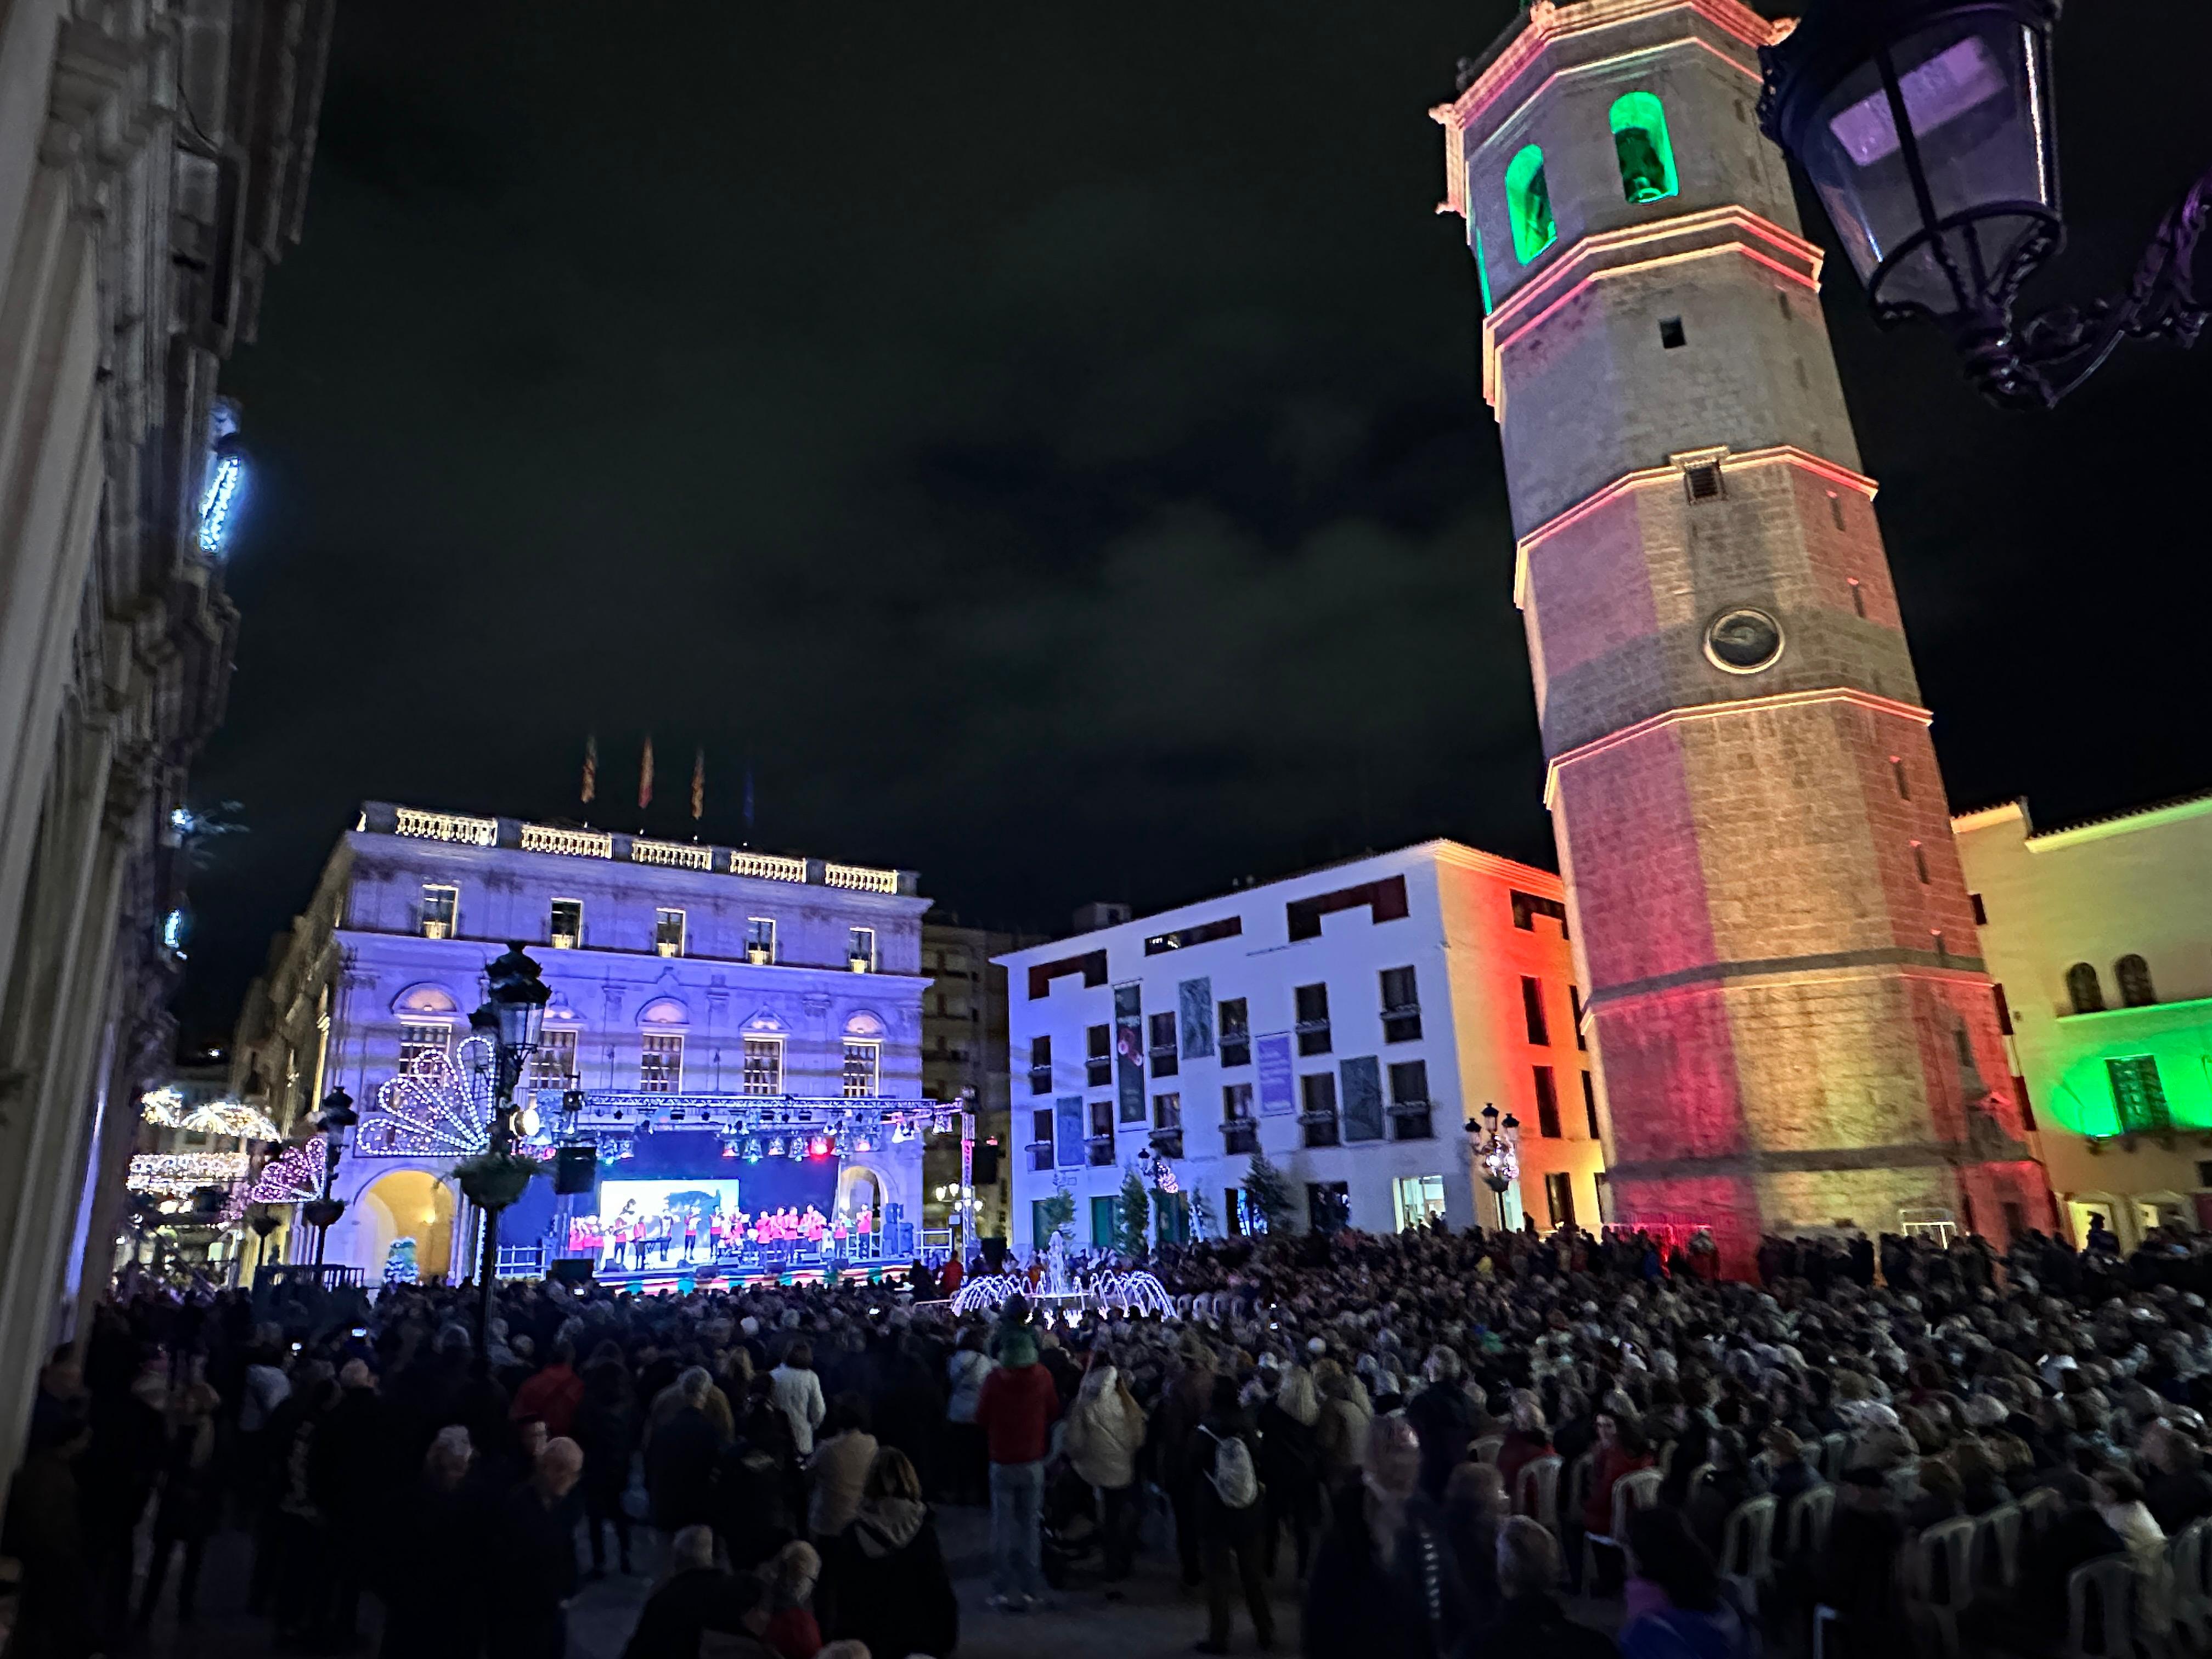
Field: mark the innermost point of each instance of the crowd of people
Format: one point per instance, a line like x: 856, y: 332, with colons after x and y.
x: 1363, y: 1418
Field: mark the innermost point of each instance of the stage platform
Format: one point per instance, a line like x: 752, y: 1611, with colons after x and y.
x: 734, y: 1273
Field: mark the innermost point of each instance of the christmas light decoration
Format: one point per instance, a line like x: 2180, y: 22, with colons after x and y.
x: 180, y: 1174
x: 234, y: 1118
x: 164, y: 1107
x: 217, y: 500
x: 293, y: 1176
x: 441, y: 1108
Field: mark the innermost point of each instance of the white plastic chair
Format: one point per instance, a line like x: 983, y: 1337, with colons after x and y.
x: 1637, y: 1490
x: 2040, y: 1508
x: 1537, y: 1491
x: 1996, y: 1548
x: 1808, y: 1520
x: 1940, y: 1584
x: 2192, y: 1585
x: 1487, y: 1448
x: 1747, y: 1546
x: 2110, y: 1582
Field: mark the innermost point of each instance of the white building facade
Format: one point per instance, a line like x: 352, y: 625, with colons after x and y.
x: 1346, y: 1022
x: 693, y: 988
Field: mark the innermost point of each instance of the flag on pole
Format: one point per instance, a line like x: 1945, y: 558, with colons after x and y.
x: 699, y: 783
x: 591, y: 767
x: 645, y: 776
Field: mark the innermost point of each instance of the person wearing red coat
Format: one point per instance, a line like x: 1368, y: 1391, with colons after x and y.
x: 553, y: 1394
x: 1015, y: 1411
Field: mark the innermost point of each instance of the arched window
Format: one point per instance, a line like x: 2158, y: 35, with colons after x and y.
x: 1640, y: 140
x: 1529, y: 205
x: 2081, y: 985
x: 2133, y: 974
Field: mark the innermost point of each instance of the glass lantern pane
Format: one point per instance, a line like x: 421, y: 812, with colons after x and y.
x: 1976, y: 94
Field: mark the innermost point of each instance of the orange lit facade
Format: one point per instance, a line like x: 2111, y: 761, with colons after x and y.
x: 1796, y: 1025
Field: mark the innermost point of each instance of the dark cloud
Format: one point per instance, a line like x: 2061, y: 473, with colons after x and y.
x: 1043, y: 444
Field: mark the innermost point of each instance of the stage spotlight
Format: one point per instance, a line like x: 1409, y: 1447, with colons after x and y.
x: 776, y: 1146
x: 752, y: 1150
x: 819, y: 1148
x: 676, y: 1116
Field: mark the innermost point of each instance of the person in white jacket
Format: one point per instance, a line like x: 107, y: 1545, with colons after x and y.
x: 797, y: 1393
x: 1104, y: 1429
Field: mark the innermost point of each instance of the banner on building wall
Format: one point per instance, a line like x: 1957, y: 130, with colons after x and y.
x: 1196, y: 998
x: 1362, y: 1099
x: 1129, y: 1051
x: 1272, y: 1058
x: 1067, y: 1131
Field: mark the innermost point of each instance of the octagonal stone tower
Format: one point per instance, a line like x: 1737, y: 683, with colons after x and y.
x: 1792, y: 1019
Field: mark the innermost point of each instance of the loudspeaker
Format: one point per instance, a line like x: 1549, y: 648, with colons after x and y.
x: 575, y: 1169
x: 985, y: 1165
x: 572, y: 1270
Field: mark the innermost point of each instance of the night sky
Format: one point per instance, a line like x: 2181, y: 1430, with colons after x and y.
x: 1045, y: 445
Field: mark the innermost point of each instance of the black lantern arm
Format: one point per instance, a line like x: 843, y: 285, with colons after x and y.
x: 2168, y: 300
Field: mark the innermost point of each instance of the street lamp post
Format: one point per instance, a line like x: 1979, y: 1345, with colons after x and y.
x: 511, y: 1018
x: 1495, y: 1145
x: 335, y: 1117
x: 1925, y: 127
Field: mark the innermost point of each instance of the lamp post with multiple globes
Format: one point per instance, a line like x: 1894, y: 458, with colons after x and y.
x: 1495, y: 1143
x: 511, y: 1018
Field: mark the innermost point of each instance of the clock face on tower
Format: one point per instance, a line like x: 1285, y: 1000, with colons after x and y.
x: 1743, y: 641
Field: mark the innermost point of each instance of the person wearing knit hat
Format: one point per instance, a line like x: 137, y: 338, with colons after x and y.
x: 1015, y: 1411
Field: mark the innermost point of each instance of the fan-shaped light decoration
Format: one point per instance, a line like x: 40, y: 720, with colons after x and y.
x: 441, y: 1109
x: 163, y: 1108
x: 292, y: 1177
x: 234, y: 1118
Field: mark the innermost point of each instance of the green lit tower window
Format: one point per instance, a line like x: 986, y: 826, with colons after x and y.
x: 1528, y: 204
x: 1639, y: 139
x: 1481, y: 268
x: 2138, y: 1095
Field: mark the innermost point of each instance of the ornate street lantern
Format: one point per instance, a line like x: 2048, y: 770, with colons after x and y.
x: 1497, y: 1146
x: 1926, y: 128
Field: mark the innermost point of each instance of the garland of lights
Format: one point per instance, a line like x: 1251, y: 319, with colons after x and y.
x: 440, y: 1109
x: 292, y: 1177
x: 233, y: 1118
x: 180, y: 1174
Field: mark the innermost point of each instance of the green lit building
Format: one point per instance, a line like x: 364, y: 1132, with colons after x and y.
x: 2099, y: 936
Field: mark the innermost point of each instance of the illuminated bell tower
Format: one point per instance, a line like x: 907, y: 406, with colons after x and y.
x: 1778, y: 952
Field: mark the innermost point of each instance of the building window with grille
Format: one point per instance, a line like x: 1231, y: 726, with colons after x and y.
x: 1236, y: 1032
x: 1559, y: 1197
x: 1532, y: 1010
x: 1167, y: 1125
x: 1040, y: 1138
x: 564, y: 926
x: 668, y: 932
x: 660, y: 1063
x: 441, y: 908
x: 1589, y: 1106
x: 2084, y: 990
x: 861, y: 1061
x: 1548, y: 1103
x: 1575, y: 1007
x: 2132, y: 975
x: 553, y: 1062
x: 1313, y: 1018
x: 1098, y: 1056
x: 1409, y: 1100
x: 1101, y: 1144
x: 1041, y: 1065
x: 764, y: 1066
x: 760, y: 939
x: 1317, y: 1108
x: 420, y: 1039
x: 1401, y: 1005
x: 1162, y: 1045
x: 2138, y: 1096
x: 861, y: 950
x: 1239, y: 1134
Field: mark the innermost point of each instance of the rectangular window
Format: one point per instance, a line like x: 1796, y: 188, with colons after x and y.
x: 1702, y: 482
x: 1559, y: 1197
x: 1098, y: 1059
x: 440, y: 911
x: 1575, y: 1007
x: 1040, y: 1138
x: 1527, y: 907
x: 1418, y: 1200
x: 1670, y: 333
x: 2004, y: 1010
x: 1233, y: 1216
x: 1205, y: 933
x: 1167, y: 1111
x: 1858, y: 597
x: 1091, y: 965
x: 1317, y: 1108
x: 1409, y: 1100
x: 1040, y: 1066
x: 861, y: 1063
x: 1236, y: 1102
x: 1102, y: 1131
x: 668, y: 932
x: 1235, y: 1033
x: 1313, y: 1019
x: 1163, y: 1051
x: 418, y: 1040
x: 1385, y: 900
x: 1105, y: 1221
x: 2138, y: 1096
x: 564, y: 927
x: 1836, y: 510
x: 553, y: 1062
x: 1589, y: 1106
x: 660, y: 1063
x: 1329, y: 1206
x: 1897, y: 775
x: 1981, y: 913
x: 1532, y: 1010
x: 1920, y: 862
x: 760, y: 939
x: 861, y: 950
x: 1401, y: 1005
x: 764, y: 1066
x: 1548, y: 1103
